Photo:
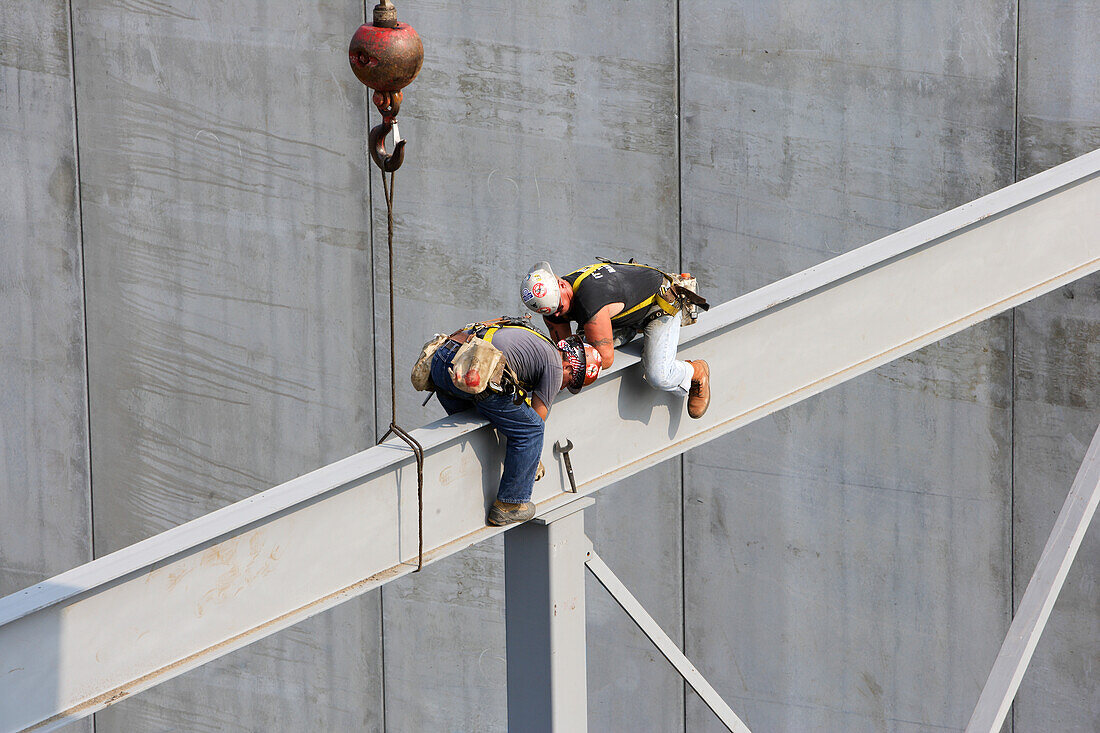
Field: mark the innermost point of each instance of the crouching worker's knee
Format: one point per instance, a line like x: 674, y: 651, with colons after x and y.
x: 668, y: 377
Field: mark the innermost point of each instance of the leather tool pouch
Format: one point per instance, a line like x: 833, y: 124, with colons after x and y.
x: 477, y: 366
x: 422, y: 369
x: 667, y: 300
x: 684, y: 290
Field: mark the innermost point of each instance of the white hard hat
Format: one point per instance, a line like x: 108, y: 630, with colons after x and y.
x: 539, y: 290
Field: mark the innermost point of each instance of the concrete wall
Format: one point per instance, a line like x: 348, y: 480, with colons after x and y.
x: 850, y: 561
x: 229, y: 294
x: 848, y: 564
x: 45, y: 504
x: 1056, y: 370
x: 43, y: 412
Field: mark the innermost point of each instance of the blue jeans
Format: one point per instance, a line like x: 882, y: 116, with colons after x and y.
x: 661, y: 369
x: 520, y: 424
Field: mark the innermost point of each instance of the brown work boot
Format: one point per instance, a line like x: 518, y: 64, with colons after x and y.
x: 502, y: 513
x: 699, y: 396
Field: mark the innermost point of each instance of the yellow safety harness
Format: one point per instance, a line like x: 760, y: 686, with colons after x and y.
x: 487, y: 334
x: 487, y: 329
x: 666, y: 306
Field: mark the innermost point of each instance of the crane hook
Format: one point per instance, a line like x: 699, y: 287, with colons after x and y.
x: 388, y: 104
x: 376, y: 141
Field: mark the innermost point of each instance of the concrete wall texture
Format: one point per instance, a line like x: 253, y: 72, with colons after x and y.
x: 192, y: 289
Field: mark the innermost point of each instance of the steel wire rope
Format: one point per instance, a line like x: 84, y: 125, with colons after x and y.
x: 386, y: 55
x: 417, y: 449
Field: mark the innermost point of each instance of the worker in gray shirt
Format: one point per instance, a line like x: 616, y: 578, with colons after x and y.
x: 538, y: 369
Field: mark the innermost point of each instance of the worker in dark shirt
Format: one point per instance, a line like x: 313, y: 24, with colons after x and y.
x: 542, y: 368
x: 612, y: 302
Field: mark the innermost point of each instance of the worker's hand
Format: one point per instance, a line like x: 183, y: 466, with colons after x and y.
x: 540, y: 407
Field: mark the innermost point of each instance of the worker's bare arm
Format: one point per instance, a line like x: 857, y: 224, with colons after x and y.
x: 558, y: 331
x: 598, y: 333
x: 540, y: 407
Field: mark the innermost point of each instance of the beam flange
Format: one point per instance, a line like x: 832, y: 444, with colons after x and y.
x: 149, y: 612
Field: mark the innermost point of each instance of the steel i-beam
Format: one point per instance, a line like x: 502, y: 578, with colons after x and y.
x: 149, y: 612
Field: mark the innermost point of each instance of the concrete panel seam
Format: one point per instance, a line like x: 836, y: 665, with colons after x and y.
x: 1012, y: 367
x: 1016, y: 103
x: 678, y: 60
x: 83, y: 283
x: 77, y: 200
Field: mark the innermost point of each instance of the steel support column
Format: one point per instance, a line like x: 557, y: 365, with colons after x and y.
x: 544, y: 617
x: 1042, y: 591
x: 664, y: 644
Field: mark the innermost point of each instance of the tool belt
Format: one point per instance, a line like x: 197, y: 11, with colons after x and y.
x: 678, y: 295
x: 422, y: 369
x: 688, y: 302
x: 460, y: 336
x: 477, y: 368
x: 675, y: 296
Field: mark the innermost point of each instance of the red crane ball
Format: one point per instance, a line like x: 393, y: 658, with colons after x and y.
x: 386, y: 59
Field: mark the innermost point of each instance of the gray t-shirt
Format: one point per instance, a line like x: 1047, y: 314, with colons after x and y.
x: 535, y: 361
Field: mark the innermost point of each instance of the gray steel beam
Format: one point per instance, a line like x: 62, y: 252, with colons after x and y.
x: 544, y: 599
x: 664, y: 644
x: 151, y: 611
x: 1042, y: 591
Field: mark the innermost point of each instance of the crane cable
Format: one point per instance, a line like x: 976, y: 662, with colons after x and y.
x: 418, y: 450
x: 386, y: 55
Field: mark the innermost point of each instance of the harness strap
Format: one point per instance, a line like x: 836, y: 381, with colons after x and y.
x: 488, y: 335
x: 586, y: 271
x: 644, y: 304
x: 521, y: 393
x: 681, y: 293
x: 666, y: 307
x: 485, y: 330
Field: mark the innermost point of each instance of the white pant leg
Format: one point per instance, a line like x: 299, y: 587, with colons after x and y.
x: 662, y: 370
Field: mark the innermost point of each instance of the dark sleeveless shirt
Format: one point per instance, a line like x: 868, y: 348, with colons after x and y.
x: 610, y: 283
